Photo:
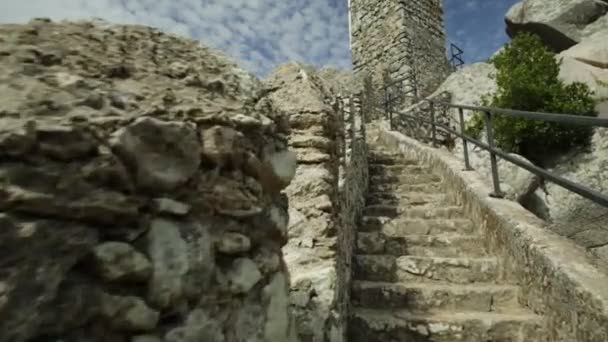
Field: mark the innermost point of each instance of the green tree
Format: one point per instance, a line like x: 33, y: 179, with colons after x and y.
x: 527, y: 79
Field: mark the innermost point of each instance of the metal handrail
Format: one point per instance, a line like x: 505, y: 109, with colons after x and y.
x: 579, y: 189
x: 553, y: 117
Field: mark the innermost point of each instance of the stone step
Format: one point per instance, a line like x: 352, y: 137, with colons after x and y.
x: 444, y: 296
x: 406, y: 199
x: 443, y: 245
x: 383, y: 169
x: 409, y: 268
x: 401, y: 226
x: 400, y: 188
x: 372, y: 325
x: 390, y: 159
x: 421, y: 212
x: 411, y: 178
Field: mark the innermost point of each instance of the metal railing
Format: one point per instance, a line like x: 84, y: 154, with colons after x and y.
x: 489, y: 146
x: 456, y: 59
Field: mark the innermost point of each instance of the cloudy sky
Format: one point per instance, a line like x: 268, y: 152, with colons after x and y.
x: 260, y: 34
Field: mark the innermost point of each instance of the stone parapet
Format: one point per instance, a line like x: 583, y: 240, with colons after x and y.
x: 324, y: 198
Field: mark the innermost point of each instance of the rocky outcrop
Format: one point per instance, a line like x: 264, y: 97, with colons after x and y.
x: 323, y: 197
x: 592, y: 51
x: 560, y: 23
x: 140, y: 197
x: 585, y: 60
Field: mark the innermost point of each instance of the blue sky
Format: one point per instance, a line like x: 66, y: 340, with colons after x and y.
x: 260, y: 34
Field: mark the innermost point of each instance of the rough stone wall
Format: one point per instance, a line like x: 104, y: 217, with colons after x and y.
x: 396, y: 36
x: 140, y: 179
x: 320, y: 245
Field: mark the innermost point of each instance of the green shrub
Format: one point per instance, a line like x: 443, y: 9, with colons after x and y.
x: 527, y: 79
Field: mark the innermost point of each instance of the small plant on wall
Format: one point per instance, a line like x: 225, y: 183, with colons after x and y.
x: 527, y: 79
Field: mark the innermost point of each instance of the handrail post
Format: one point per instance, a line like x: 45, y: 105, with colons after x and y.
x: 433, y: 126
x: 385, y: 102
x: 390, y: 110
x: 497, y: 193
x: 465, y: 147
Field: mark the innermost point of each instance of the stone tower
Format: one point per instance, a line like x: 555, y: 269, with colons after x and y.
x: 395, y: 36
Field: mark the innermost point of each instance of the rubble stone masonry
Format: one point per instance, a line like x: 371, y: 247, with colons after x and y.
x: 396, y: 36
x: 325, y: 197
x: 140, y: 190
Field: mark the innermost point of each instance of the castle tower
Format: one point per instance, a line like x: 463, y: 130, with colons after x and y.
x: 396, y: 36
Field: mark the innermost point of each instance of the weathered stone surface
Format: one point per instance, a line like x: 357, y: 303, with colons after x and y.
x: 243, y: 275
x: 574, y: 70
x: 113, y: 193
x: 162, y: 155
x: 118, y: 261
x: 128, y: 313
x: 171, y: 206
x: 398, y: 36
x: 199, y: 326
x: 560, y: 24
x: 468, y: 85
x: 233, y: 243
x: 37, y: 254
x: 592, y: 50
x: 324, y: 200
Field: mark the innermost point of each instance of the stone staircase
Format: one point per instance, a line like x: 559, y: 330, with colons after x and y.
x: 420, y: 270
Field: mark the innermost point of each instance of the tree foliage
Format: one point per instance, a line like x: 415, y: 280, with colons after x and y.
x: 527, y: 79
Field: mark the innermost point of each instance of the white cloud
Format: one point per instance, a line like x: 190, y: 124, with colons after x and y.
x: 259, y: 34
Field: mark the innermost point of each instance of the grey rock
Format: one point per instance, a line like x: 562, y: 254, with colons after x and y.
x: 233, y: 243
x: 65, y: 142
x: 592, y: 50
x: 278, y: 318
x: 573, y: 69
x: 222, y: 145
x: 119, y: 261
x: 163, y: 155
x: 171, y: 206
x: 35, y: 280
x: 168, y: 253
x: 243, y: 275
x: 200, y: 326
x: 17, y: 137
x: 182, y: 258
x: 128, y: 313
x: 560, y: 23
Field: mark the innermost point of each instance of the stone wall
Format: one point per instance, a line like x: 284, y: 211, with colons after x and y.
x: 353, y: 183
x: 324, y: 197
x: 140, y: 196
x: 398, y: 36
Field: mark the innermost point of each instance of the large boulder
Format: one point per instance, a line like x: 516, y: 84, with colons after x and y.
x: 573, y: 70
x: 592, y: 50
x: 469, y: 84
x: 560, y: 23
x: 573, y: 215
